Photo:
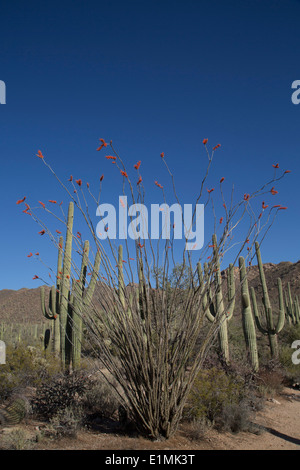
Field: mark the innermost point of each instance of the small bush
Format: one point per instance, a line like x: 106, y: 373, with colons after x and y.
x: 236, y: 417
x: 212, y: 390
x: 271, y: 379
x: 25, y: 366
x: 101, y: 399
x: 197, y: 429
x: 16, y: 440
x: 65, y: 423
x: 60, y: 393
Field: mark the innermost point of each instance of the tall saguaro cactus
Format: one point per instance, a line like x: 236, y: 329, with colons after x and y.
x: 52, y: 313
x: 215, y: 310
x: 81, y: 300
x: 270, y: 328
x: 66, y: 305
x: 247, y: 317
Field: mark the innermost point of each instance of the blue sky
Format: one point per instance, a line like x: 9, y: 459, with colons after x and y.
x: 153, y: 76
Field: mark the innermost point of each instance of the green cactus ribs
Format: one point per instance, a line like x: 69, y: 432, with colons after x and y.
x: 67, y: 303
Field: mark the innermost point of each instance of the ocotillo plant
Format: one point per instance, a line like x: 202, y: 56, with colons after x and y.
x: 247, y: 318
x: 154, y: 353
x: 270, y: 328
x: 215, y: 310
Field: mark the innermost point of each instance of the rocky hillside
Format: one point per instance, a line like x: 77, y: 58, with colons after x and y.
x: 24, y: 305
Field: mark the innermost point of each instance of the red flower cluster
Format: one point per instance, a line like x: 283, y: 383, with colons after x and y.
x: 103, y: 144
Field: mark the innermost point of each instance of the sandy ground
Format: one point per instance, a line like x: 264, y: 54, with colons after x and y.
x: 280, y: 419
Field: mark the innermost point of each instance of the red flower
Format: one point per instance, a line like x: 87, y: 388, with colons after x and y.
x: 87, y: 185
x: 264, y: 206
x: 79, y: 182
x: 78, y: 235
x: 276, y: 166
x: 222, y: 179
x: 42, y: 232
x: 277, y: 205
x: 132, y: 259
x: 29, y: 256
x: 210, y: 190
x: 103, y: 144
x: 221, y: 220
x: 162, y: 154
x: 139, y: 181
x: 217, y: 146
x: 246, y: 197
x: 21, y: 200
x: 111, y: 157
x: 137, y: 165
x: 141, y: 246
x: 101, y: 177
x: 39, y: 154
x: 124, y: 173
x: 282, y: 208
x: 273, y: 191
x: 287, y: 171
x: 57, y: 231
x: 35, y: 277
x: 71, y: 178
x: 42, y: 204
x: 205, y: 141
x: 52, y: 201
x: 158, y: 185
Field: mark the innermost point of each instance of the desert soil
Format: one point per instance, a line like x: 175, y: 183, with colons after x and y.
x: 279, y: 419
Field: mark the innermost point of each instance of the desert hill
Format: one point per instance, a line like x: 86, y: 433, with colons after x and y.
x: 23, y: 305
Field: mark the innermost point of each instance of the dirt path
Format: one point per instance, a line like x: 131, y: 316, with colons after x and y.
x: 280, y: 419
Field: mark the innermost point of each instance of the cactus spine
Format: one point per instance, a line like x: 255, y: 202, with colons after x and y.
x: 270, y: 330
x: 247, y: 318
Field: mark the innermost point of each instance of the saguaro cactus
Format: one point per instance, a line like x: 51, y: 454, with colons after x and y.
x: 269, y: 329
x: 52, y: 313
x: 215, y: 310
x: 247, y: 318
x: 66, y: 305
x: 292, y: 307
x: 81, y: 300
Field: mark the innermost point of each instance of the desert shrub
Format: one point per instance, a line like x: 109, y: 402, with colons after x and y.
x: 197, y: 429
x: 211, y: 391
x: 63, y: 391
x: 65, y: 423
x: 25, y: 366
x: 101, y: 399
x: 16, y: 439
x: 236, y: 417
x: 271, y: 379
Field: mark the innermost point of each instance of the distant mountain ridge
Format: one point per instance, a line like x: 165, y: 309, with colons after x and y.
x: 23, y: 305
